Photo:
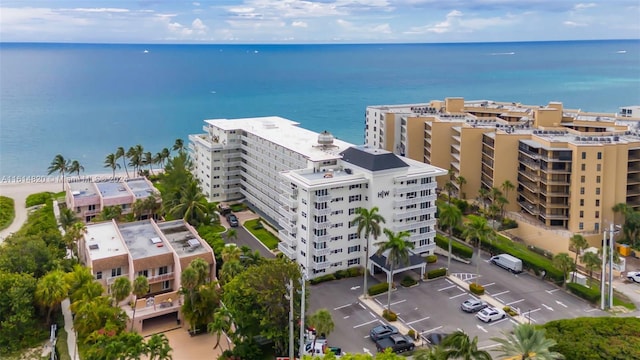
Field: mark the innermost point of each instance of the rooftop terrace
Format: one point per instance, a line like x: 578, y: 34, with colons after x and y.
x: 110, y: 189
x: 82, y: 189
x: 183, y: 241
x: 140, y: 187
x: 142, y: 239
x: 103, y: 241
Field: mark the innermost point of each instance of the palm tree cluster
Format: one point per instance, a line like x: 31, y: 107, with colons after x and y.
x: 137, y: 158
x: 64, y: 166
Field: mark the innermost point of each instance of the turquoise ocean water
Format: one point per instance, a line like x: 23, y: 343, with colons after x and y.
x: 85, y: 100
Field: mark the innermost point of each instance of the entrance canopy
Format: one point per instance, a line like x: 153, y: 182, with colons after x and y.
x: 415, y: 262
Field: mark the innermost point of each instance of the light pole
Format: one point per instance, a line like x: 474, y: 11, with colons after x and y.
x: 604, y: 269
x: 303, y: 280
x: 289, y: 296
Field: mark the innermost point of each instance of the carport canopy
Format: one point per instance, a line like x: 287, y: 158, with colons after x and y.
x: 415, y: 262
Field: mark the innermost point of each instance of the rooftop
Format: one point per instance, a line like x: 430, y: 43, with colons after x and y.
x: 285, y: 133
x: 140, y: 187
x: 183, y: 241
x: 143, y: 240
x: 109, y: 189
x: 82, y: 189
x: 372, y: 159
x: 103, y: 241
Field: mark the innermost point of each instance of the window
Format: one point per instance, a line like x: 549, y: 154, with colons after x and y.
x: 99, y: 275
x: 598, y: 191
x: 597, y: 202
x: 352, y: 236
x: 424, y: 242
x: 352, y: 211
x: 598, y: 167
x: 304, y: 201
x: 92, y: 207
x: 116, y: 272
x: 355, y: 261
x: 162, y: 270
x: 597, y: 214
x: 581, y: 202
x: 353, y: 249
x: 584, y: 155
x: 581, y: 214
x: 581, y: 226
x: 598, y: 179
x: 144, y: 273
x: 304, y: 214
x: 583, y: 167
x: 599, y: 155
x: 304, y: 227
x: 166, y: 285
x: 581, y: 191
x: 353, y: 198
x: 582, y: 179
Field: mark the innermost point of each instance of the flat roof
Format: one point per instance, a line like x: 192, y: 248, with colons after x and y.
x: 103, y: 241
x: 142, y: 239
x: 109, y: 189
x: 285, y: 133
x: 184, y: 242
x: 140, y: 188
x: 82, y: 189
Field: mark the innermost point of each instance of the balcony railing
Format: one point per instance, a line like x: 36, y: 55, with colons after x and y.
x: 408, y: 226
x: 320, y: 252
x: 323, y: 225
x: 320, y: 238
x: 405, y: 202
x: 321, y: 212
x: 287, y: 189
x: 323, y: 198
x: 287, y: 200
x: 286, y: 238
x: 321, y: 265
x: 286, y: 250
x: 160, y: 278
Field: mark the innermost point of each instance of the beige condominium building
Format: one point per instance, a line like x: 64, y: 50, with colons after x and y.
x: 310, y: 184
x: 157, y: 250
x: 569, y: 167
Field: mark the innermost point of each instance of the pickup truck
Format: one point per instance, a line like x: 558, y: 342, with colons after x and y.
x: 397, y: 342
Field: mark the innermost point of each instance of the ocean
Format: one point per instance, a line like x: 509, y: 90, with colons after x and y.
x: 85, y: 100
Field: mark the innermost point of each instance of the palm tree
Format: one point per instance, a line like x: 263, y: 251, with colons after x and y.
x: 140, y: 289
x: 178, y: 145
x: 110, y: 213
x: 368, y: 223
x: 577, y: 243
x: 134, y: 154
x: 449, y: 187
x: 192, y: 204
x: 527, y: 342
x: 483, y: 194
x: 73, y: 234
x: 148, y: 160
x: 165, y: 154
x: 450, y: 216
x: 398, y: 254
x: 221, y: 325
x: 433, y: 353
x: 120, y: 289
x: 231, y: 235
x: 459, y: 346
x: 67, y: 218
x: 231, y: 253
x: 477, y: 229
x: 460, y: 180
x: 60, y: 165
x: 111, y: 161
x: 51, y: 289
x: 121, y: 154
x: 591, y: 261
x: 158, y: 348
x: 564, y: 263
x: 75, y: 167
x: 506, y: 187
x: 230, y: 269
x: 322, y: 321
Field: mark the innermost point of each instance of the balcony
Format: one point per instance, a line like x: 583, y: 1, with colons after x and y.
x: 423, y: 249
x: 160, y: 278
x: 530, y: 175
x: 111, y: 279
x: 322, y: 225
x: 413, y: 188
x: 231, y: 155
x: 286, y: 238
x: 232, y: 181
x: 287, y: 189
x: 286, y: 250
x: 407, y: 226
x: 320, y: 252
x: 291, y: 217
x: 321, y: 212
x: 531, y: 209
x: 412, y: 201
x: 232, y: 164
x: 400, y: 214
x: 233, y: 172
x: 321, y: 238
x: 291, y: 228
x: 321, y: 265
x: 323, y: 198
x: 287, y: 200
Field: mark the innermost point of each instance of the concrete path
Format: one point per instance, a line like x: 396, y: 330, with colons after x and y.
x: 19, y: 192
x: 71, y: 332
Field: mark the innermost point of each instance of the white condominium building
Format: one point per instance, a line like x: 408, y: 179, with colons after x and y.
x: 312, y: 184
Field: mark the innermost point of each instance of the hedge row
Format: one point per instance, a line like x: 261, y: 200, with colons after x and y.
x: 436, y: 273
x: 408, y: 281
x: 340, y: 274
x: 591, y: 295
x: 378, y: 289
x: 457, y: 248
x: 430, y: 259
x: 476, y: 288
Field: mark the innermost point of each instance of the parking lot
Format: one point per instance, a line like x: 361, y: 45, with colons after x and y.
x: 434, y: 306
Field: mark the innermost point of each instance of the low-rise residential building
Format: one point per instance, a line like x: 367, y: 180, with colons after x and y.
x: 158, y: 251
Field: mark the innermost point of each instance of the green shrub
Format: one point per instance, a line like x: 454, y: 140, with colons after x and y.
x: 38, y: 198
x: 591, y: 295
x: 389, y: 315
x: 408, y: 281
x: 430, y: 259
x: 436, y: 273
x: 238, y: 207
x: 508, y: 224
x: 7, y: 211
x: 411, y: 333
x: 476, y: 288
x: 510, y: 311
x: 457, y: 248
x: 321, y: 279
x: 354, y: 271
x: 341, y: 274
x: 542, y: 252
x: 378, y: 289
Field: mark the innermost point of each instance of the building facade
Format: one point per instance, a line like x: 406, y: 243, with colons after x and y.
x: 158, y: 251
x: 569, y: 167
x: 311, y: 184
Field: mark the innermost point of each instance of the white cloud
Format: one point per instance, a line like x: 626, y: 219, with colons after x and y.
x: 573, y: 24
x: 101, y: 10
x: 195, y: 3
x: 448, y: 24
x: 300, y: 24
x: 583, y: 6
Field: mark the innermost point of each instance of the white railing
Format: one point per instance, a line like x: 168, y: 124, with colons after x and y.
x: 321, y: 265
x: 286, y: 250
x: 158, y: 278
x: 408, y: 226
x: 323, y: 198
x: 320, y: 252
x: 320, y: 238
x: 321, y: 212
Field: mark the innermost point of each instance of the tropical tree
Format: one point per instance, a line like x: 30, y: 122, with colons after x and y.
x: 564, y: 263
x: 478, y: 230
x: 192, y: 204
x: 148, y: 160
x: 322, y: 321
x: 178, y: 145
x: 506, y: 187
x: 201, y: 295
x: 73, y: 234
x: 51, y: 289
x: 577, y: 243
x: 460, y: 181
x: 80, y: 280
x: 459, y: 345
x: 631, y: 226
x: 121, y: 154
x: 135, y: 156
x: 158, y: 348
x: 111, y: 161
x: 527, y: 342
x: 75, y: 167
x: 483, y: 195
x: 109, y: 213
x: 231, y: 253
x: 164, y: 155
x: 120, y: 289
x: 450, y: 216
x: 140, y: 288
x: 231, y: 235
x: 230, y: 269
x: 591, y: 261
x: 432, y: 353
x: 60, y: 165
x: 221, y: 325
x: 67, y: 218
x: 398, y: 252
x: 368, y: 223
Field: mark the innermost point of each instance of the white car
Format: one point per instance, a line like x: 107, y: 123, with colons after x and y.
x: 634, y: 276
x: 490, y: 314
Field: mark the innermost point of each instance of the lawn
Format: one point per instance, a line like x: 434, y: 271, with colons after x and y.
x: 257, y: 229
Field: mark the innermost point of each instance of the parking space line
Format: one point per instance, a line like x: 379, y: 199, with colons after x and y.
x: 398, y: 302
x: 461, y: 289
x: 489, y: 284
x: 346, y: 317
x: 448, y: 281
x: 415, y: 321
x: 551, y: 291
x: 482, y: 328
x: 372, y: 314
x: 430, y: 330
x: 342, y: 307
x: 500, y: 293
x: 447, y: 288
x: 488, y: 346
x: 367, y: 323
x: 498, y: 322
x: 515, y: 302
x: 362, y: 306
x: 455, y: 296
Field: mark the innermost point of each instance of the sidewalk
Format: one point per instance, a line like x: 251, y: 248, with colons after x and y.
x: 375, y: 307
x: 71, y: 332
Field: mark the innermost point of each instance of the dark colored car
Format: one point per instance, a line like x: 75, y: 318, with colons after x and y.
x: 382, y: 331
x: 435, y: 339
x: 233, y: 220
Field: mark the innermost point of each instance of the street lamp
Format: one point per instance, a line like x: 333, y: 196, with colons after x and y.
x: 303, y: 279
x: 289, y: 297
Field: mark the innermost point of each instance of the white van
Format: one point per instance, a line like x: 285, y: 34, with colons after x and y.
x: 508, y: 262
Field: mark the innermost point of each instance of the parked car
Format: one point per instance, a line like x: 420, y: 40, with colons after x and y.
x: 490, y: 314
x: 382, y: 331
x: 233, y: 220
x: 507, y: 262
x: 397, y: 342
x: 634, y: 276
x: 435, y: 339
x: 473, y: 305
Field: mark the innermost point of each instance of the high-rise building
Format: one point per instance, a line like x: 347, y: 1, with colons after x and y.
x: 311, y: 185
x: 568, y: 167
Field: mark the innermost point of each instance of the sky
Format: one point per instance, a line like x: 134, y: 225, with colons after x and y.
x: 316, y: 21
